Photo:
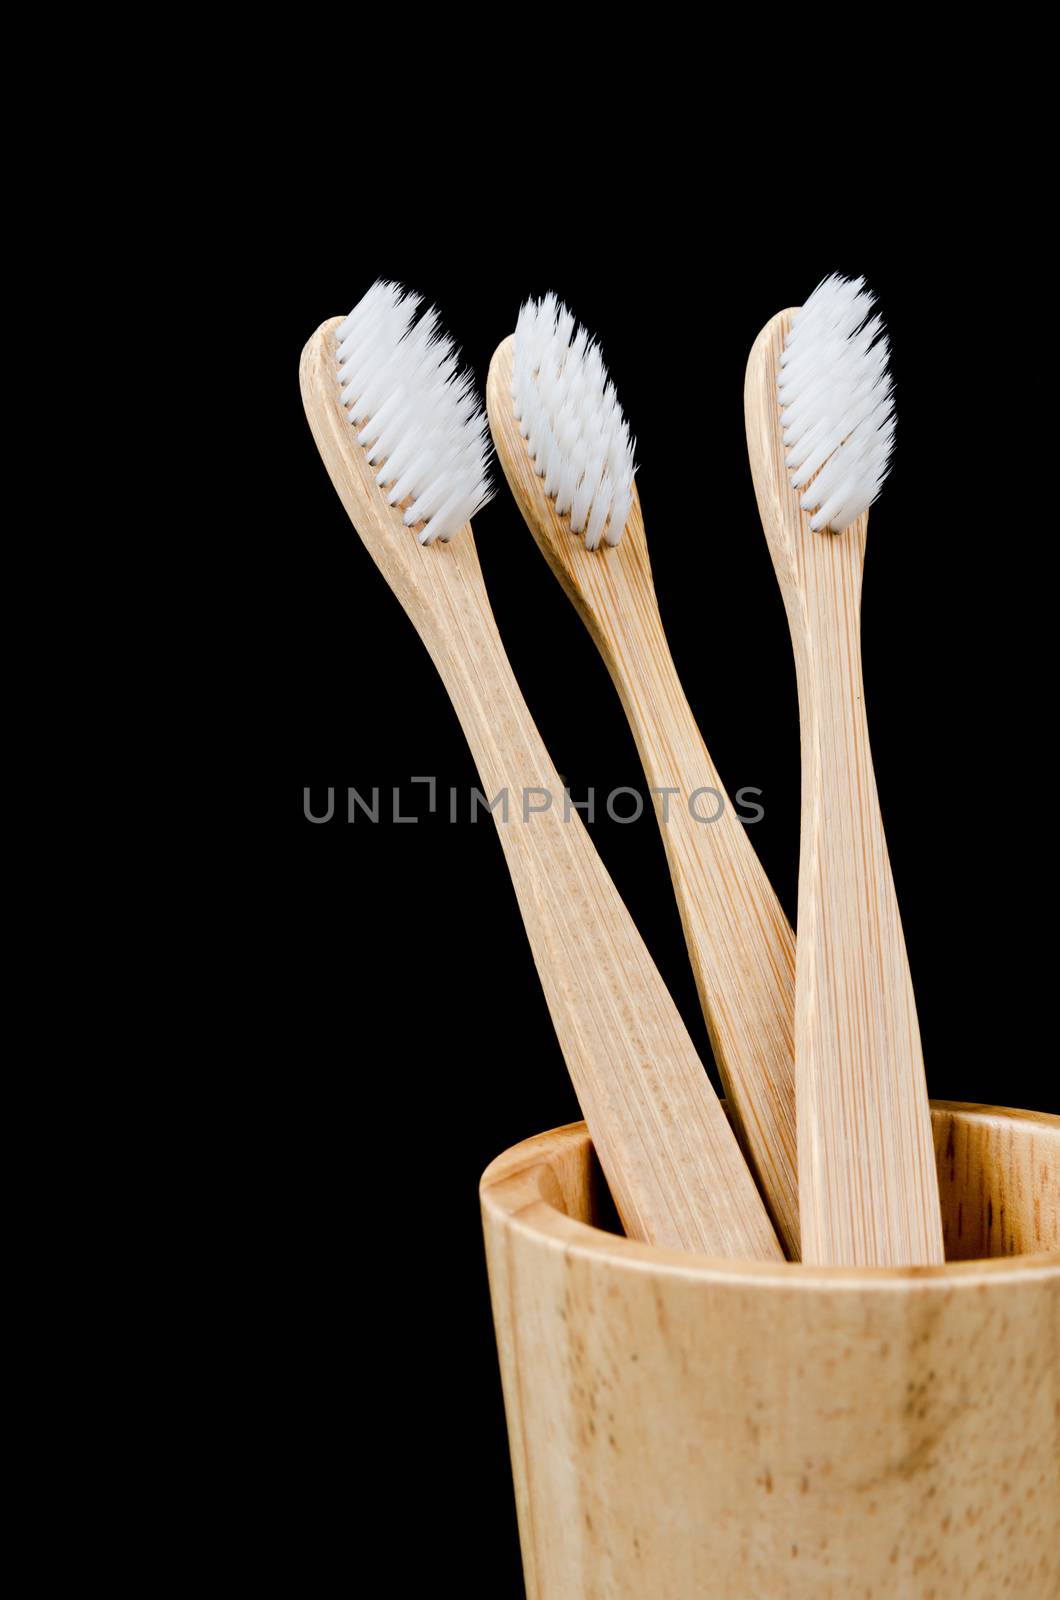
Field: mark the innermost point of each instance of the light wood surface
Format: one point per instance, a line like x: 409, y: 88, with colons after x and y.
x: 867, y: 1189
x: 739, y: 942
x: 682, y: 1429
x: 671, y: 1160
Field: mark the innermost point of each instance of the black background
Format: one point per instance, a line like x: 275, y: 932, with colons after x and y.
x: 414, y: 1040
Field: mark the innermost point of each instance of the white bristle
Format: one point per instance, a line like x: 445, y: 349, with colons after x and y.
x: 836, y: 403
x: 576, y: 435
x: 415, y: 414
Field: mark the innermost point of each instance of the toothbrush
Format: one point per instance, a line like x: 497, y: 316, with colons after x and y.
x: 405, y: 444
x: 820, y: 425
x: 568, y: 458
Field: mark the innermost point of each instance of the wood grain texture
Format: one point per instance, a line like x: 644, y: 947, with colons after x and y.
x: 999, y: 1180
x: 673, y: 1165
x: 688, y: 1430
x: 867, y: 1188
x: 739, y: 942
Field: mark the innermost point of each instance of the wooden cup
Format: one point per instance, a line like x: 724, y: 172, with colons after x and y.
x: 684, y: 1428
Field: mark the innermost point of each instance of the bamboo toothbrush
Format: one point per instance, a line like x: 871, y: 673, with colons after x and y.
x: 568, y: 458
x: 380, y: 387
x: 820, y: 423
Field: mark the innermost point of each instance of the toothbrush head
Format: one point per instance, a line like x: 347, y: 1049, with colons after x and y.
x: 836, y: 403
x: 415, y: 415
x: 568, y: 413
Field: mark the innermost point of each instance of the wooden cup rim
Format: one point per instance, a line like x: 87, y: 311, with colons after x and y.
x: 535, y: 1186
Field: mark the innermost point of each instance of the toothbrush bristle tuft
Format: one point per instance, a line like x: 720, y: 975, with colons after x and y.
x: 414, y: 413
x: 568, y: 413
x: 837, y: 403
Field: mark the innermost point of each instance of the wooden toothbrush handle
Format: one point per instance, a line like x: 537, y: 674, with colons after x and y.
x: 665, y: 1146
x: 739, y: 941
x: 670, y: 1158
x: 867, y: 1178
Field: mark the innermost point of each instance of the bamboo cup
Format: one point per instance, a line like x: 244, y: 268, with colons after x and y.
x: 684, y: 1429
